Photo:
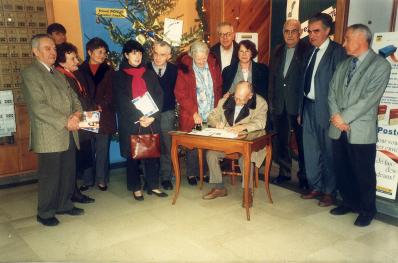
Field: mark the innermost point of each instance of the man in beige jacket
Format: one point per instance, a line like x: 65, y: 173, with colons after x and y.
x: 54, y: 112
x: 244, y: 111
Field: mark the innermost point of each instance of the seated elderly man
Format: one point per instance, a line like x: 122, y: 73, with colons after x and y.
x: 244, y: 111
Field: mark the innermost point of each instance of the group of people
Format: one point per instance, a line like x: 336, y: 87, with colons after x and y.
x: 311, y: 87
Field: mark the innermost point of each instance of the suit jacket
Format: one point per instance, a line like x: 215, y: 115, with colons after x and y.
x: 283, y: 91
x: 253, y: 116
x: 50, y: 102
x: 217, y: 53
x: 358, y: 103
x: 334, y: 54
x: 127, y: 114
x: 259, y: 78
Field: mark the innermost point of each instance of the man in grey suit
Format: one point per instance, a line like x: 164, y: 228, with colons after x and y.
x: 284, y: 86
x: 355, y: 92
x: 319, y: 65
x: 54, y: 112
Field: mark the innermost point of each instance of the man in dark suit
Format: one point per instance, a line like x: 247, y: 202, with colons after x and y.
x: 226, y: 51
x: 54, y: 112
x: 167, y: 75
x: 283, y: 90
x: 355, y: 92
x: 319, y: 65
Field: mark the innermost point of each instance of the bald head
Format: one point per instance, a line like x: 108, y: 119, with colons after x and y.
x: 243, y: 92
x: 291, y: 32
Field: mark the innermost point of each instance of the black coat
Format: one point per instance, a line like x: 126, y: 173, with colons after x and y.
x: 217, y: 53
x: 259, y: 78
x: 127, y: 114
x: 284, y: 90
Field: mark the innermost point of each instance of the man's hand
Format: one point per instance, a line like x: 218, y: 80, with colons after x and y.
x: 220, y: 125
x: 73, y: 122
x: 146, y: 121
x: 196, y: 118
x: 236, y: 129
x: 226, y: 95
x: 339, y: 122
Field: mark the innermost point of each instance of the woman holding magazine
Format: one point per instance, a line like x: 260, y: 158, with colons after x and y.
x: 131, y: 81
x: 66, y: 63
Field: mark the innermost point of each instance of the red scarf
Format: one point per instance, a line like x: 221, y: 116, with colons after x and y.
x: 69, y: 74
x: 94, y: 68
x: 138, y: 86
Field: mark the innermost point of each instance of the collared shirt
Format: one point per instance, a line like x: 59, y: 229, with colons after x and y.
x: 362, y: 57
x: 50, y: 69
x: 321, y: 52
x: 288, y: 59
x: 162, y: 69
x: 238, y: 108
x: 226, y: 56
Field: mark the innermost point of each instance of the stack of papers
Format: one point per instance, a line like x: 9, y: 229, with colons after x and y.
x: 214, y: 132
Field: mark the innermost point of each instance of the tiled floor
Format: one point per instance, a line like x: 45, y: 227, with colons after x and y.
x: 116, y: 228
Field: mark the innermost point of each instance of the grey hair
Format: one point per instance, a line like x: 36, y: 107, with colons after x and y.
x: 249, y: 85
x: 198, y: 47
x: 363, y: 29
x: 224, y: 23
x: 36, y: 39
x: 294, y: 22
x: 162, y: 44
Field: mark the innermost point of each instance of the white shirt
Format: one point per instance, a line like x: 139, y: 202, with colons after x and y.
x: 238, y: 108
x: 226, y: 56
x: 321, y: 52
x: 47, y: 67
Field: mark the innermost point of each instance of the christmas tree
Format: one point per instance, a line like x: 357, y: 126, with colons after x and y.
x: 146, y: 26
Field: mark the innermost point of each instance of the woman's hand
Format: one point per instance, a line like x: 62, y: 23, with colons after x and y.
x: 196, y: 118
x: 226, y: 95
x: 146, y: 121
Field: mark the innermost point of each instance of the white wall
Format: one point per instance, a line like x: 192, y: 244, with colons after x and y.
x: 376, y: 14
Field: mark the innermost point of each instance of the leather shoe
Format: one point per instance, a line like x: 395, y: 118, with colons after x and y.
x: 250, y: 199
x: 311, y: 195
x: 52, y: 221
x: 158, y: 194
x: 167, y: 185
x: 280, y: 179
x: 363, y: 220
x: 85, y: 187
x: 138, y: 197
x: 83, y: 199
x: 216, y: 192
x: 102, y: 187
x: 192, y: 180
x: 75, y: 211
x: 326, y: 200
x: 206, y: 178
x: 341, y: 210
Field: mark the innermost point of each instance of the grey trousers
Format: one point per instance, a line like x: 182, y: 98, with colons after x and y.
x: 213, y: 161
x: 167, y: 120
x: 100, y: 146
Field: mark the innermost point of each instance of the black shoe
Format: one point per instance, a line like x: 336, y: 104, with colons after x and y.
x: 83, y: 199
x: 192, y: 180
x: 280, y: 179
x: 102, y: 187
x: 340, y: 210
x: 206, y: 178
x: 52, y: 221
x: 85, y: 187
x: 167, y: 185
x: 138, y: 197
x: 161, y: 194
x: 75, y: 211
x: 363, y: 220
x: 303, y: 184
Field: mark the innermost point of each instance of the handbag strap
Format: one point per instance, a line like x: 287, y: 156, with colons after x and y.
x: 139, y: 129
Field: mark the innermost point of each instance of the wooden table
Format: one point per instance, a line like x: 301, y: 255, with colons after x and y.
x: 244, y: 145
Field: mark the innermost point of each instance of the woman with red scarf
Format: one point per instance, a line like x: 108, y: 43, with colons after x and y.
x: 131, y: 81
x: 67, y: 63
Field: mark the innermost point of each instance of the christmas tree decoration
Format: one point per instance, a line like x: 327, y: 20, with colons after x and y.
x: 146, y: 18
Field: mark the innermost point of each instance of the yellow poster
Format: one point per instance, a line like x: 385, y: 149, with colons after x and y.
x: 111, y: 12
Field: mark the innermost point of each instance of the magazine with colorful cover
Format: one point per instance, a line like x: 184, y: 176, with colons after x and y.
x: 90, y: 121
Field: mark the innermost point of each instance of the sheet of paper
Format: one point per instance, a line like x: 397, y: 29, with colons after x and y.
x: 173, y: 31
x: 214, y: 132
x: 7, y: 113
x: 145, y: 104
x: 90, y: 121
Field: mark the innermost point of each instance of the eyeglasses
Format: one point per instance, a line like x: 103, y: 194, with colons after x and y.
x: 290, y: 32
x: 228, y: 34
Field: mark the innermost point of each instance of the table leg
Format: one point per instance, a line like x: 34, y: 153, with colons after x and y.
x: 200, y: 154
x: 176, y: 166
x: 267, y: 169
x: 246, y: 179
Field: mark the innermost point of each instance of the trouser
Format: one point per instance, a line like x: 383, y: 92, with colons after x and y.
x: 150, y: 170
x: 356, y: 176
x: 57, y: 174
x: 100, y: 145
x: 283, y: 124
x: 167, y: 120
x: 213, y: 161
x: 317, y: 152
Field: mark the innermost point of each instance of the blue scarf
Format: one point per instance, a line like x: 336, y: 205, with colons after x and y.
x: 204, y: 90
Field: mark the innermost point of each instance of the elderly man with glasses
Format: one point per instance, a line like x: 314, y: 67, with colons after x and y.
x: 226, y: 50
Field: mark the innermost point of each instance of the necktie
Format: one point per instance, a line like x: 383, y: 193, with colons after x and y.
x: 309, y: 71
x: 160, y: 72
x: 51, y: 71
x: 351, y: 69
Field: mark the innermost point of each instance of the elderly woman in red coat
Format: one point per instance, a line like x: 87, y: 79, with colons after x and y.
x: 197, y: 90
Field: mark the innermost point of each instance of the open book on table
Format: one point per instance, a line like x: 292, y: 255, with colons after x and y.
x: 214, y: 132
